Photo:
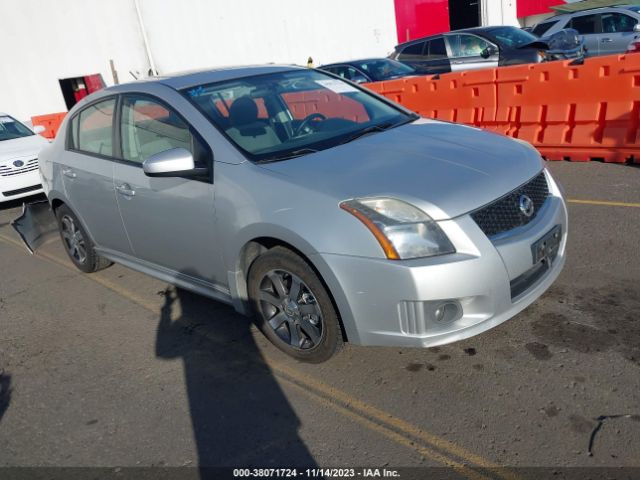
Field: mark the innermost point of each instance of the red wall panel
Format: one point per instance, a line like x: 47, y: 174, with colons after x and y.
x: 534, y: 7
x: 418, y: 18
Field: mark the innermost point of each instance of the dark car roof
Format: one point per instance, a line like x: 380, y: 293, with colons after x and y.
x: 476, y: 30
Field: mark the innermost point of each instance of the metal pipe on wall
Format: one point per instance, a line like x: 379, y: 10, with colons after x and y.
x: 145, y: 39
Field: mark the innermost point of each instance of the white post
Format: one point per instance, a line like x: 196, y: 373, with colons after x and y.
x: 145, y: 40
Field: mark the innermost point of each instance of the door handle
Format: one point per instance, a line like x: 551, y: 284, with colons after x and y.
x: 605, y: 40
x: 67, y: 172
x: 126, y: 190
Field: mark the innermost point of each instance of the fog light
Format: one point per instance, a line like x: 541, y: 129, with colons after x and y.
x: 446, y: 312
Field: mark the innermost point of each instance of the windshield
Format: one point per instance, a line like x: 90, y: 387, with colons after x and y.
x: 10, y: 128
x: 511, y: 36
x: 384, y: 69
x: 282, y: 115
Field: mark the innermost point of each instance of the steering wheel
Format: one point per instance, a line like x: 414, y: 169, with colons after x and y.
x: 308, y: 119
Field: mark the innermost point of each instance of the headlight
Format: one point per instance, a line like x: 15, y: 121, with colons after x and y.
x: 402, y: 230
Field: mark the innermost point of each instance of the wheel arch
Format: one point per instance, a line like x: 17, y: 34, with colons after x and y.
x: 256, y: 246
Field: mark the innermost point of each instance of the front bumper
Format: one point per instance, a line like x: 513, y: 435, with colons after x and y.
x: 391, y: 303
x: 18, y: 186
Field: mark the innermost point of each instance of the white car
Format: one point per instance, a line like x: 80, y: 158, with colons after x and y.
x: 19, y: 148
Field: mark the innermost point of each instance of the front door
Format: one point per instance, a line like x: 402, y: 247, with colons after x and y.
x: 617, y: 32
x: 87, y: 169
x: 466, y: 52
x: 169, y: 220
x: 589, y: 27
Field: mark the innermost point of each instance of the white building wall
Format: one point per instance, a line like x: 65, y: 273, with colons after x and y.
x: 45, y: 41
x: 204, y: 33
x: 499, y: 12
x: 50, y: 40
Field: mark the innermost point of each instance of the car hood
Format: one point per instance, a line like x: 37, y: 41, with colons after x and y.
x: 445, y: 169
x: 21, y: 148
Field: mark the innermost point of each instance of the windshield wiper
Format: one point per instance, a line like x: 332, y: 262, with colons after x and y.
x: 286, y: 156
x: 378, y: 128
x: 366, y: 131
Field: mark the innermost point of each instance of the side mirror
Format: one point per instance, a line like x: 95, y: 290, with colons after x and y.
x: 37, y: 129
x: 489, y: 51
x: 177, y: 162
x: 636, y: 28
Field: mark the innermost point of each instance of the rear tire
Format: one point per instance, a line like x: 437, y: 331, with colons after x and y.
x: 77, y: 243
x: 292, y: 306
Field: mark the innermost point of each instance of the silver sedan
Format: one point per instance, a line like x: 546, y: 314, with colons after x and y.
x: 326, y: 211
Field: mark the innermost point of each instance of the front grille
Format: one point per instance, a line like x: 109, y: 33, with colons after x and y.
x: 8, y: 170
x: 12, y: 193
x: 504, y: 214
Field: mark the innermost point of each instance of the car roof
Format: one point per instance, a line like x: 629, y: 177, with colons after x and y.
x: 559, y: 16
x: 346, y: 62
x: 192, y: 78
x: 478, y: 30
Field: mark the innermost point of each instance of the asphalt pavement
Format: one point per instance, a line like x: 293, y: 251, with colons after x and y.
x: 116, y: 369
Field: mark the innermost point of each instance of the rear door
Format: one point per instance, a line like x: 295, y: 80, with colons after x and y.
x: 169, y: 220
x: 413, y: 55
x: 87, y: 169
x: 588, y: 25
x: 427, y: 56
x: 617, y: 32
x: 465, y: 52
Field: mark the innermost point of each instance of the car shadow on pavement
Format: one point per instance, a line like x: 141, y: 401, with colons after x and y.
x: 240, y: 415
x: 5, y: 392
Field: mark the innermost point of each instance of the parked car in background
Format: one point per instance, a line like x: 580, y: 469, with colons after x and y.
x: 325, y: 210
x: 606, y: 31
x: 481, y: 47
x: 19, y: 148
x: 370, y: 70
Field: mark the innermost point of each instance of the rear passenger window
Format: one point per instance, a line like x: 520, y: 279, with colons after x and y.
x: 436, y: 49
x: 585, y: 24
x: 149, y: 128
x: 94, y: 127
x: 412, y: 51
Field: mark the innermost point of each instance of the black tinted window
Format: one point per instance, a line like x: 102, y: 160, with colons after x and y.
x: 410, y: 51
x: 542, y: 28
x: 436, y: 48
x: 585, y: 24
x: 617, y: 22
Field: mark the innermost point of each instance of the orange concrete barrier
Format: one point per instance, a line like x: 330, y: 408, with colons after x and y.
x: 572, y: 112
x: 50, y: 122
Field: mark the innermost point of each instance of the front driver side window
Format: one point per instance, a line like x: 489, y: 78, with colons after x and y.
x: 149, y: 128
x: 466, y: 46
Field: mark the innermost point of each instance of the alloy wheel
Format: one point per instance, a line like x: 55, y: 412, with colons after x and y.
x: 290, y: 308
x: 73, y: 239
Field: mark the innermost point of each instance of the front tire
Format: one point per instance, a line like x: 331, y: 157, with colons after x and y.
x: 292, y: 307
x: 77, y: 243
